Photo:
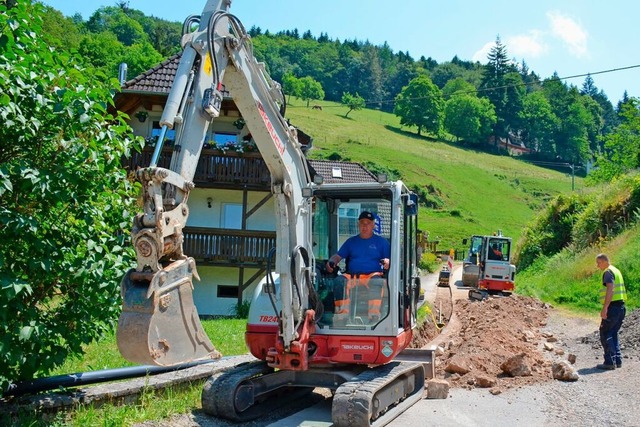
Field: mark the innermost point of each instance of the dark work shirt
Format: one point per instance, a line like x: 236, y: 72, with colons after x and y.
x: 608, y: 277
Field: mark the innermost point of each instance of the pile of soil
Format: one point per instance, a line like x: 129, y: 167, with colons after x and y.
x: 629, y: 336
x: 486, y: 334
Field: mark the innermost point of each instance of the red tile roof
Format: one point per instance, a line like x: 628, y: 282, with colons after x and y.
x: 157, y: 80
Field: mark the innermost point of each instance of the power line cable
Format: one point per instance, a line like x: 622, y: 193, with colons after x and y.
x: 611, y: 70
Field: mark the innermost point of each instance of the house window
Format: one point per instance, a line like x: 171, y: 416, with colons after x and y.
x: 232, y: 216
x: 226, y: 291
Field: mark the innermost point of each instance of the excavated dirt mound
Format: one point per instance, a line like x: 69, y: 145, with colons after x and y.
x: 496, y: 343
x: 629, y: 336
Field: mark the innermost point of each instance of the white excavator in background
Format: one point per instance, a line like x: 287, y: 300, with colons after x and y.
x: 487, y: 267
x: 291, y: 329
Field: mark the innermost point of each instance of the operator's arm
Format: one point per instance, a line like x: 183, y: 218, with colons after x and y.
x: 608, y: 282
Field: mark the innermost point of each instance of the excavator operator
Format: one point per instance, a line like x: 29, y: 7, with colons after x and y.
x: 367, y: 257
x: 494, y: 253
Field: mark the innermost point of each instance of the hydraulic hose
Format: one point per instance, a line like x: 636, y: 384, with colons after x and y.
x: 94, y: 377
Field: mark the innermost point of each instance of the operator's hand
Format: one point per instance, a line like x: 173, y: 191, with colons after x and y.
x: 385, y: 263
x: 330, y: 265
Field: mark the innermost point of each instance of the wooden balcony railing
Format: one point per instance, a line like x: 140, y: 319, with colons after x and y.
x: 224, y: 246
x: 215, y: 169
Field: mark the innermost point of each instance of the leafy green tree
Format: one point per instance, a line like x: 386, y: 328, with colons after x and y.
x: 538, y: 123
x: 64, y: 200
x: 62, y: 31
x: 421, y: 104
x: 621, y: 152
x: 115, y: 20
x: 291, y: 85
x: 469, y: 118
x: 139, y: 58
x: 353, y: 102
x: 103, y: 51
x: 310, y: 89
x: 571, y: 135
x: 458, y: 86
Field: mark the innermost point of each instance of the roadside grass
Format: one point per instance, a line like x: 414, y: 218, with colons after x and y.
x: 572, y: 279
x: 480, y: 192
x: 227, y: 336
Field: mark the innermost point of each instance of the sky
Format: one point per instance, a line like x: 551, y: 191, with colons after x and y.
x: 569, y: 37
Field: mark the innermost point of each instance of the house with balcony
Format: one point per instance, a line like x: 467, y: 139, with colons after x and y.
x: 231, y: 226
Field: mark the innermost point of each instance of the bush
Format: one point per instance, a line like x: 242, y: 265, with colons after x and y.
x: 551, y: 231
x: 429, y: 262
x: 610, y: 213
x: 64, y: 201
x: 241, y: 311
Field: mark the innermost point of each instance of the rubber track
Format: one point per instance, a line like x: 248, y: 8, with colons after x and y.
x: 353, y: 400
x: 218, y: 395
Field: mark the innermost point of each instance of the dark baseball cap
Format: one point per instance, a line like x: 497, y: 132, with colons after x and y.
x: 366, y: 215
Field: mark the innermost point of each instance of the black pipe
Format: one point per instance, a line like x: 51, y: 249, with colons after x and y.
x: 93, y: 377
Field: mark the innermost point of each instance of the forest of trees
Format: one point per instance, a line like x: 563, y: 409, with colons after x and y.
x: 465, y: 101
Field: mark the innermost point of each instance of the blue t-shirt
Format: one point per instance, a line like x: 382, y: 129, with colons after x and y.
x: 364, y: 255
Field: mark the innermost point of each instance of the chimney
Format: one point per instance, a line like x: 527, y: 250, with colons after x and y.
x: 122, y: 73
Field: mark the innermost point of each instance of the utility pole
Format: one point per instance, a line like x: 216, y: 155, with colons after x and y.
x: 573, y: 174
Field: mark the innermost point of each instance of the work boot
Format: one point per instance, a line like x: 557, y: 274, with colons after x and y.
x: 606, y: 367
x: 618, y: 364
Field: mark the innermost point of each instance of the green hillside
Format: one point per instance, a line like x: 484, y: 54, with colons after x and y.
x: 571, y: 279
x: 480, y: 192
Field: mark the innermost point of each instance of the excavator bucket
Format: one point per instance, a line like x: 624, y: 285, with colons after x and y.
x: 159, y: 323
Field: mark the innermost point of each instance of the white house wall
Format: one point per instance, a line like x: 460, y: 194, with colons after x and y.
x: 200, y: 215
x: 205, y: 291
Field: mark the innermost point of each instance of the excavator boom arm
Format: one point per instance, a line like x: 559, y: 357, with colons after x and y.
x: 159, y: 323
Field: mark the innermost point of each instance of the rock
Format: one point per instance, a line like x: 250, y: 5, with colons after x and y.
x: 528, y: 336
x: 484, y: 381
x: 552, y: 339
x: 548, y: 346
x: 437, y: 389
x: 564, y: 371
x: 571, y: 358
x: 439, y: 351
x: 495, y: 391
x: 559, y: 351
x: 516, y: 366
x: 458, y: 365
